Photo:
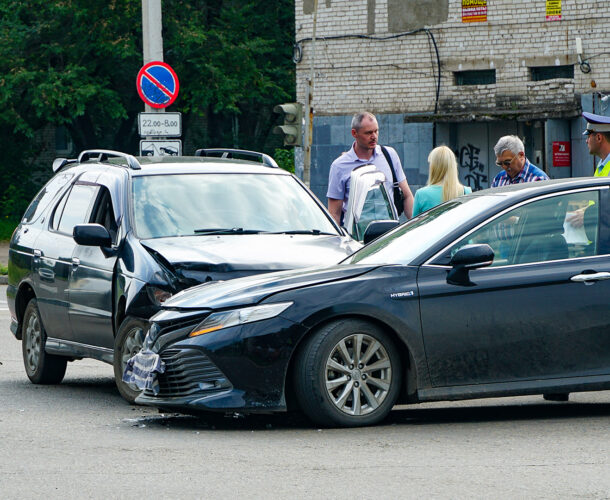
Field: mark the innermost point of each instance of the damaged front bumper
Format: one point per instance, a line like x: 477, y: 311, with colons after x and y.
x: 239, y: 368
x: 186, y: 378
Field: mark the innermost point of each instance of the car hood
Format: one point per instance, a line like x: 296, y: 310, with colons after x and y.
x: 253, y: 289
x: 263, y: 252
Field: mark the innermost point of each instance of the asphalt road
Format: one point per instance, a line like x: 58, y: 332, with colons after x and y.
x: 80, y: 440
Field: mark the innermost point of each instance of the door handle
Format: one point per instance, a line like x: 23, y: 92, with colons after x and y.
x: 75, y: 261
x: 46, y: 274
x: 587, y: 278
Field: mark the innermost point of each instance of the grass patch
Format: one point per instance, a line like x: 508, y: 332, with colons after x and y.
x: 7, y: 226
x: 3, y: 270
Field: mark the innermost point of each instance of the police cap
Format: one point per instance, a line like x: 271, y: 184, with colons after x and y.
x: 596, y: 123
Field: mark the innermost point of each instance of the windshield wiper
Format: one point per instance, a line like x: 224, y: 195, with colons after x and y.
x: 304, y: 231
x: 227, y: 230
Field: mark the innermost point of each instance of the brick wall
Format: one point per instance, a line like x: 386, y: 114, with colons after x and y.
x: 398, y: 75
x: 396, y: 78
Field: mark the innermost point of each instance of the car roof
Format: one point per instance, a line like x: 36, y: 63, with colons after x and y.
x: 206, y: 165
x: 165, y: 165
x: 515, y: 192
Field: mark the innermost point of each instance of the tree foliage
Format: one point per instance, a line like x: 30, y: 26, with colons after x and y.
x: 74, y: 63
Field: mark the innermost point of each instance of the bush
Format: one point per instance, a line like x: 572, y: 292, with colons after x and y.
x: 14, y: 202
x: 7, y: 226
x: 285, y: 159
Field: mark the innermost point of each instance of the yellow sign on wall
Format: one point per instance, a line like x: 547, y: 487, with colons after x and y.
x: 553, y: 10
x: 474, y: 11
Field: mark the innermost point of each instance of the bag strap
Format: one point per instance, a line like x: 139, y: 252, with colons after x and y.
x: 386, y: 153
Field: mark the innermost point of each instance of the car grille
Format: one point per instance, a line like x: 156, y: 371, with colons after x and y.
x: 188, y: 372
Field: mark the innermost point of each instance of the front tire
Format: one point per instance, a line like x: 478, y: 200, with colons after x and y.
x: 128, y: 342
x: 348, y: 374
x: 40, y: 367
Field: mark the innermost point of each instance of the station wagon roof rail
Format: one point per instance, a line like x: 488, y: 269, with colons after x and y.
x: 230, y: 153
x: 103, y: 155
x: 59, y: 163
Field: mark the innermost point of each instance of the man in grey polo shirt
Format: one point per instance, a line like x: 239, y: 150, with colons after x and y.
x: 365, y: 150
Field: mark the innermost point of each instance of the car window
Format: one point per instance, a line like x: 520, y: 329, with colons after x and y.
x: 415, y: 237
x: 58, y: 211
x: 103, y: 213
x: 376, y: 207
x: 187, y: 204
x: 368, y: 200
x: 77, y: 207
x: 554, y: 228
x: 44, y: 196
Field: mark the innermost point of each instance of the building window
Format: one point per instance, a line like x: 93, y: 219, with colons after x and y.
x: 475, y: 77
x: 63, y: 142
x: 539, y: 73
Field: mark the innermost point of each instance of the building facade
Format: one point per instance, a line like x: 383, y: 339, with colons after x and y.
x: 455, y: 72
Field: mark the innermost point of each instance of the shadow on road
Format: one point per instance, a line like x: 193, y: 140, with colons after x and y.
x: 402, y: 416
x: 495, y: 413
x: 103, y: 391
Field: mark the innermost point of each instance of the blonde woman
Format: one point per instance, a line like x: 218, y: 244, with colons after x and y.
x: 443, y: 183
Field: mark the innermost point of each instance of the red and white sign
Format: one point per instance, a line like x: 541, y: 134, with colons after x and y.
x: 562, y: 156
x: 157, y: 84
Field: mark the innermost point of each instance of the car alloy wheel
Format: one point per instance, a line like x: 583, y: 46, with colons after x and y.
x: 40, y: 367
x: 32, y: 339
x: 348, y: 373
x: 128, y: 342
x: 358, y: 374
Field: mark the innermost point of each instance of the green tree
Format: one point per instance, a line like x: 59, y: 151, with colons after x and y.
x: 235, y: 59
x: 74, y: 62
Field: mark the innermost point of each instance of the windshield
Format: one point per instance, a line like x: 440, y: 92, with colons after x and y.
x: 189, y: 204
x: 413, y: 238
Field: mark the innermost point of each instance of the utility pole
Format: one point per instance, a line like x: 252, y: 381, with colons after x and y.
x: 152, y: 40
x: 309, y: 102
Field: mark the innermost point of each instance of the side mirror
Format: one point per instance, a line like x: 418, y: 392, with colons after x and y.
x: 92, y: 235
x: 466, y: 258
x: 376, y: 228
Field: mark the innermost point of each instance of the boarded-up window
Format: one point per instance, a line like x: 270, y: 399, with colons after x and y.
x: 308, y: 5
x: 408, y: 15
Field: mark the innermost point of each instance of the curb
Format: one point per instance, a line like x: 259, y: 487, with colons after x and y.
x: 3, y: 279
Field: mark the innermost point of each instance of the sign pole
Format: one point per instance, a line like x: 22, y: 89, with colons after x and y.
x: 309, y: 103
x: 152, y: 40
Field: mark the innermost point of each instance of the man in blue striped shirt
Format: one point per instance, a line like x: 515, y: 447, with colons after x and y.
x: 516, y: 168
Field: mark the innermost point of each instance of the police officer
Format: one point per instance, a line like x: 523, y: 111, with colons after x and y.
x: 598, y: 141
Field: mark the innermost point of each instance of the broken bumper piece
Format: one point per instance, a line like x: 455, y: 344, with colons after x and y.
x: 189, y: 379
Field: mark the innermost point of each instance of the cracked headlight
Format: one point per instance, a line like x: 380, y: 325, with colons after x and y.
x: 158, y: 295
x: 225, y: 319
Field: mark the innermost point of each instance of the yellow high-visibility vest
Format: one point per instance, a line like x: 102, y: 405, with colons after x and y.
x: 602, y: 170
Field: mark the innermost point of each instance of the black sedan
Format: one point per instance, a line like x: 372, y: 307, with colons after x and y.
x: 500, y: 293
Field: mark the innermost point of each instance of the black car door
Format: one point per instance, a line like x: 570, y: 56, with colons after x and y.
x: 52, y: 261
x: 540, y: 311
x: 90, y: 287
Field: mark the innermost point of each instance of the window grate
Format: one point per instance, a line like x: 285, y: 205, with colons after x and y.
x: 475, y: 77
x: 539, y: 73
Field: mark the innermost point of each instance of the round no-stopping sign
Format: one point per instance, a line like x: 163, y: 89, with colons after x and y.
x: 157, y: 84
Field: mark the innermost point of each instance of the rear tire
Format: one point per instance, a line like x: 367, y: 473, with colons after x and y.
x: 348, y: 374
x: 40, y: 367
x: 128, y: 342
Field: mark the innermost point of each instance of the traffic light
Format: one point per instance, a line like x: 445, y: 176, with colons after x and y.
x: 292, y: 129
